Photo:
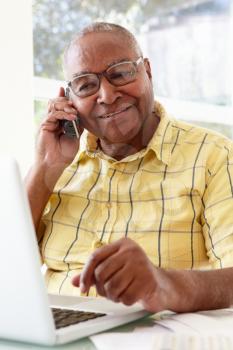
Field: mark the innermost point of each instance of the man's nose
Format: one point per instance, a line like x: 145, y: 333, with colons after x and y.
x: 108, y: 93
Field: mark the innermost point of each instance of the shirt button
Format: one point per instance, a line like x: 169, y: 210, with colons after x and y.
x: 97, y: 244
x: 108, y: 205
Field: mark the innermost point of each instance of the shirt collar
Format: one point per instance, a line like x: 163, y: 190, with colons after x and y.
x: 160, y: 143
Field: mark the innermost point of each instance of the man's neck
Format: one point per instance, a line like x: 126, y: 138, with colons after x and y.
x: 119, y: 151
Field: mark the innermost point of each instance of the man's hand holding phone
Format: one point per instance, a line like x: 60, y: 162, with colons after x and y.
x: 55, y: 150
x: 55, y: 147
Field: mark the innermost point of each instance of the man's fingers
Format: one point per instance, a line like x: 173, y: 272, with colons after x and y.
x: 50, y: 127
x: 131, y: 294
x: 61, y: 92
x: 87, y: 275
x: 109, y: 267
x: 61, y: 105
x: 117, y: 284
x: 54, y: 116
x: 60, y: 102
x: 106, y: 270
x: 76, y: 281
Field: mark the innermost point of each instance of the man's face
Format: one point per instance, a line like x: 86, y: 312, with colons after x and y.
x: 129, y: 105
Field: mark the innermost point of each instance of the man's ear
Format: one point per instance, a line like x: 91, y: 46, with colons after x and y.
x: 148, y: 69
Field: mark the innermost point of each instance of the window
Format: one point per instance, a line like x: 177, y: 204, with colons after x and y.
x: 189, y: 44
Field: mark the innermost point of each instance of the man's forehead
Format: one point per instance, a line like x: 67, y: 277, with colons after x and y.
x: 108, y: 38
x: 97, y: 52
x: 100, y: 44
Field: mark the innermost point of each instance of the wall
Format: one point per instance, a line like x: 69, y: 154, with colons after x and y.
x: 16, y: 73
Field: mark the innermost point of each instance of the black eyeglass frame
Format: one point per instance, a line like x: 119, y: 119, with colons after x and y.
x: 105, y: 74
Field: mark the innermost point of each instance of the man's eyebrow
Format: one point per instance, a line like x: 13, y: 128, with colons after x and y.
x: 118, y: 61
x: 80, y: 73
x: 75, y: 75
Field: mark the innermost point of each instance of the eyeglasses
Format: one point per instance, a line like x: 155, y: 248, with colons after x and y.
x: 118, y: 74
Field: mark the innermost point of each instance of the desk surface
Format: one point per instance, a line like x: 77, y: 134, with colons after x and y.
x: 82, y: 344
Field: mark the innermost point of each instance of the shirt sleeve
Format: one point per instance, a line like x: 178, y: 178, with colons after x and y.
x: 42, y: 225
x: 217, y: 218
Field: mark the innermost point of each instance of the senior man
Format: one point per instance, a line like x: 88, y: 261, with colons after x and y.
x: 140, y: 207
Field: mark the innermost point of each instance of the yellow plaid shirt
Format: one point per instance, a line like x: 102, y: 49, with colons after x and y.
x: 174, y: 198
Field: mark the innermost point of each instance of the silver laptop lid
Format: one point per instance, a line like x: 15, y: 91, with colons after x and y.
x: 24, y: 306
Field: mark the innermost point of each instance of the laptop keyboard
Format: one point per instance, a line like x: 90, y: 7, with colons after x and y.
x: 65, y: 317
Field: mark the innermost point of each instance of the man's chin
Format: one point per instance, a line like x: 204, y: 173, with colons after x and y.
x: 118, y: 139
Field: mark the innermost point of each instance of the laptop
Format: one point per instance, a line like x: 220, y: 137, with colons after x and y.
x: 27, y: 312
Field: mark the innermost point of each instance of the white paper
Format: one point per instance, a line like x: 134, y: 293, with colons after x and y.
x: 208, y: 330
x: 212, y: 322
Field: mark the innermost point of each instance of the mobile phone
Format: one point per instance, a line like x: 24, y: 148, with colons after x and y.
x: 70, y: 128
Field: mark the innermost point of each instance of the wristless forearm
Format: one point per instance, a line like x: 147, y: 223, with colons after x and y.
x: 215, y: 288
x: 201, y: 290
x: 39, y: 183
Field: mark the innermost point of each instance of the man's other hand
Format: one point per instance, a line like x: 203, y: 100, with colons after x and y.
x: 122, y: 272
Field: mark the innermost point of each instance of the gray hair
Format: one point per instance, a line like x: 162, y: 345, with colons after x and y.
x: 98, y: 27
